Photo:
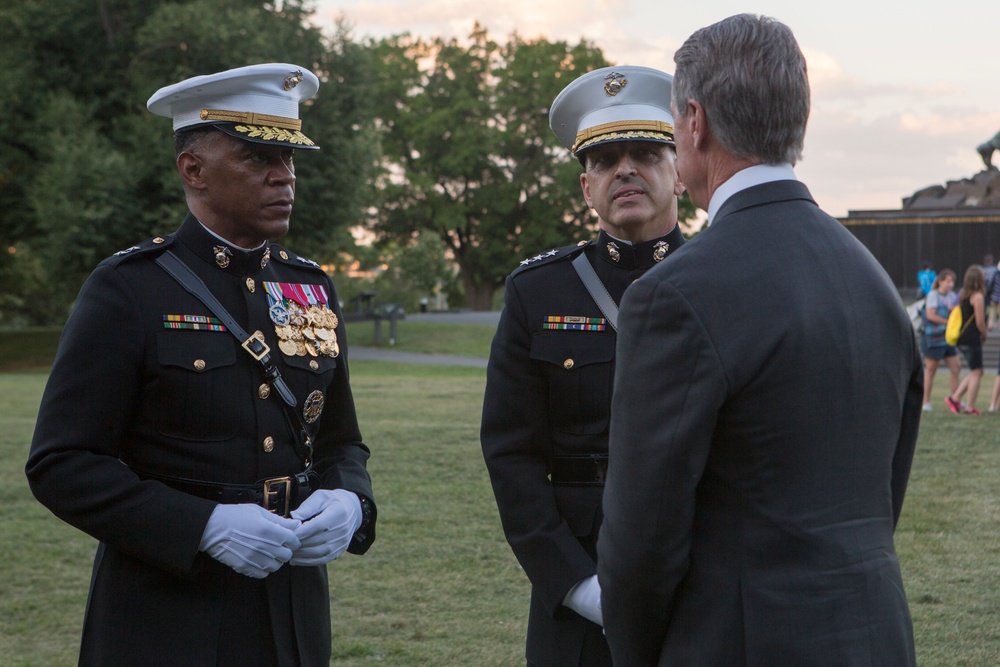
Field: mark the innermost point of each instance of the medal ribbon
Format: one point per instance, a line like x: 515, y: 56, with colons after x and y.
x: 274, y: 295
x: 319, y: 293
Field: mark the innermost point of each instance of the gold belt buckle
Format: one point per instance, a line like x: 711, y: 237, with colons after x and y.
x: 270, y: 491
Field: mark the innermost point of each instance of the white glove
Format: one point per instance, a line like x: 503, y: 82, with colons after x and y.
x: 585, y: 599
x: 329, y: 521
x: 249, y: 539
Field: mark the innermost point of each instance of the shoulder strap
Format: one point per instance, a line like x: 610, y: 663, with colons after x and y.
x: 254, y: 344
x: 597, y: 289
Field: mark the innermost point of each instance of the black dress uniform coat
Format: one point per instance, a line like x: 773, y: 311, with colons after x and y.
x: 545, y: 420
x: 765, y: 416
x: 129, y: 396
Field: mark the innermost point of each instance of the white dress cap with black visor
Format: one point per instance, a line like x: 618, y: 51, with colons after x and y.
x: 623, y: 103
x: 257, y: 103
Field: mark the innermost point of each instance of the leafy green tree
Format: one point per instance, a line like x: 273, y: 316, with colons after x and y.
x: 86, y: 170
x: 468, y: 153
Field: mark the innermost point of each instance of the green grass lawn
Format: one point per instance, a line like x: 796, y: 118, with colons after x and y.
x: 465, y: 340
x: 440, y: 586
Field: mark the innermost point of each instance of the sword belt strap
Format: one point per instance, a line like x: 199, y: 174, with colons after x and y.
x: 254, y: 344
x: 597, y: 289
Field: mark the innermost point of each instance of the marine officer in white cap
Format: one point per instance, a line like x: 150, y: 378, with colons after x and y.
x: 548, y: 393
x: 198, y: 421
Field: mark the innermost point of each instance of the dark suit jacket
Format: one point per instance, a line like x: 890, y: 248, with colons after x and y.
x: 765, y: 414
x: 128, y: 394
x: 548, y: 394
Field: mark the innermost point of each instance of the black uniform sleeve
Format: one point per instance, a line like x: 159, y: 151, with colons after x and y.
x: 516, y: 447
x: 73, y: 466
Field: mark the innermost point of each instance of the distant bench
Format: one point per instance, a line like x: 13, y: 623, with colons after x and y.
x: 365, y: 310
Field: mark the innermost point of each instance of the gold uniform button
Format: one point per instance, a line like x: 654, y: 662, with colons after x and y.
x: 314, y: 365
x: 264, y: 390
x: 250, y: 284
x: 568, y: 364
x: 159, y: 239
x: 284, y: 255
x: 582, y: 243
x: 268, y: 444
x: 199, y: 364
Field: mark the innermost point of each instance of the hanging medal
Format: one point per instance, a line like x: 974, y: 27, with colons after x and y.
x: 303, y: 322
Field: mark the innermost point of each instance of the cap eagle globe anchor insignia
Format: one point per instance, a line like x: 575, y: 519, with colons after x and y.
x: 222, y: 256
x: 614, y: 82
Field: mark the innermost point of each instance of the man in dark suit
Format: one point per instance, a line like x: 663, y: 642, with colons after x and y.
x: 766, y: 401
x: 219, y: 475
x: 548, y: 390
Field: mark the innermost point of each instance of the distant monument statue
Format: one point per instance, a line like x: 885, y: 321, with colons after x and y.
x: 986, y: 149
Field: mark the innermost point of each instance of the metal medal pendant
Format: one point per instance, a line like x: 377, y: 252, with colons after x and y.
x: 313, y: 406
x: 280, y: 315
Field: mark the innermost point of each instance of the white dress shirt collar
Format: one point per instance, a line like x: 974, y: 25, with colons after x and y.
x: 747, y: 178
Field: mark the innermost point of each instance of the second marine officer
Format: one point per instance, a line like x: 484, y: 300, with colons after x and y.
x: 548, y: 392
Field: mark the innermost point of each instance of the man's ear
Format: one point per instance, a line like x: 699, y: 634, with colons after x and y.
x: 192, y: 171
x: 585, y: 186
x: 699, y: 123
x: 678, y: 187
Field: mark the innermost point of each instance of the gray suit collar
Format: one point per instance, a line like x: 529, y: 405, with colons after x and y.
x: 765, y: 193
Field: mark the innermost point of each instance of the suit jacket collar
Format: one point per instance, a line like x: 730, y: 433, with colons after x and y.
x: 765, y: 193
x: 757, y: 174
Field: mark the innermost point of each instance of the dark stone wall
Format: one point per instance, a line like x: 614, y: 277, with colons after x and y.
x: 902, y: 248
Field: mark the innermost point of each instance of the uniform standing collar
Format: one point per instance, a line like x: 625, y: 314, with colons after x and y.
x: 220, y: 253
x: 636, y: 256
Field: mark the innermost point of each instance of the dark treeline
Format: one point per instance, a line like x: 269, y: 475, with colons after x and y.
x: 439, y: 148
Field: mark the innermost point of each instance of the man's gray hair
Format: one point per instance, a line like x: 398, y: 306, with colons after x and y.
x: 750, y: 77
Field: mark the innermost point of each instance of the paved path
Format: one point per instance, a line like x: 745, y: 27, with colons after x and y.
x: 490, y: 318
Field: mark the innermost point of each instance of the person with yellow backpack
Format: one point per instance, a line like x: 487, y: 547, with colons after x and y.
x: 971, y: 336
x: 941, y: 300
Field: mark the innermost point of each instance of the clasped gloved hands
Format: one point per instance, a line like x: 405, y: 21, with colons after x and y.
x: 329, y: 521
x: 249, y: 539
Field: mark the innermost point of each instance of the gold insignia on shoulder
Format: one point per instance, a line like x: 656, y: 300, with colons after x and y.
x: 159, y: 239
x: 613, y: 83
x: 660, y: 250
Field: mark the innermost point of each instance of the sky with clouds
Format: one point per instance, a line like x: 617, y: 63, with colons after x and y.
x: 902, y: 92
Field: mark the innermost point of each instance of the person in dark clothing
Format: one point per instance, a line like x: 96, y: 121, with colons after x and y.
x: 219, y: 470
x: 546, y: 410
x: 757, y: 472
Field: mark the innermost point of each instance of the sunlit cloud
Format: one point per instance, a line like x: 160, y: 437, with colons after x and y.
x: 455, y: 18
x: 879, y: 129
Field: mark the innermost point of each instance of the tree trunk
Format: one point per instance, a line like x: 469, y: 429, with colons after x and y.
x: 478, y: 296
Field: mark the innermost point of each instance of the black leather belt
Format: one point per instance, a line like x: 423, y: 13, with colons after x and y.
x: 579, y: 470
x: 280, y: 495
